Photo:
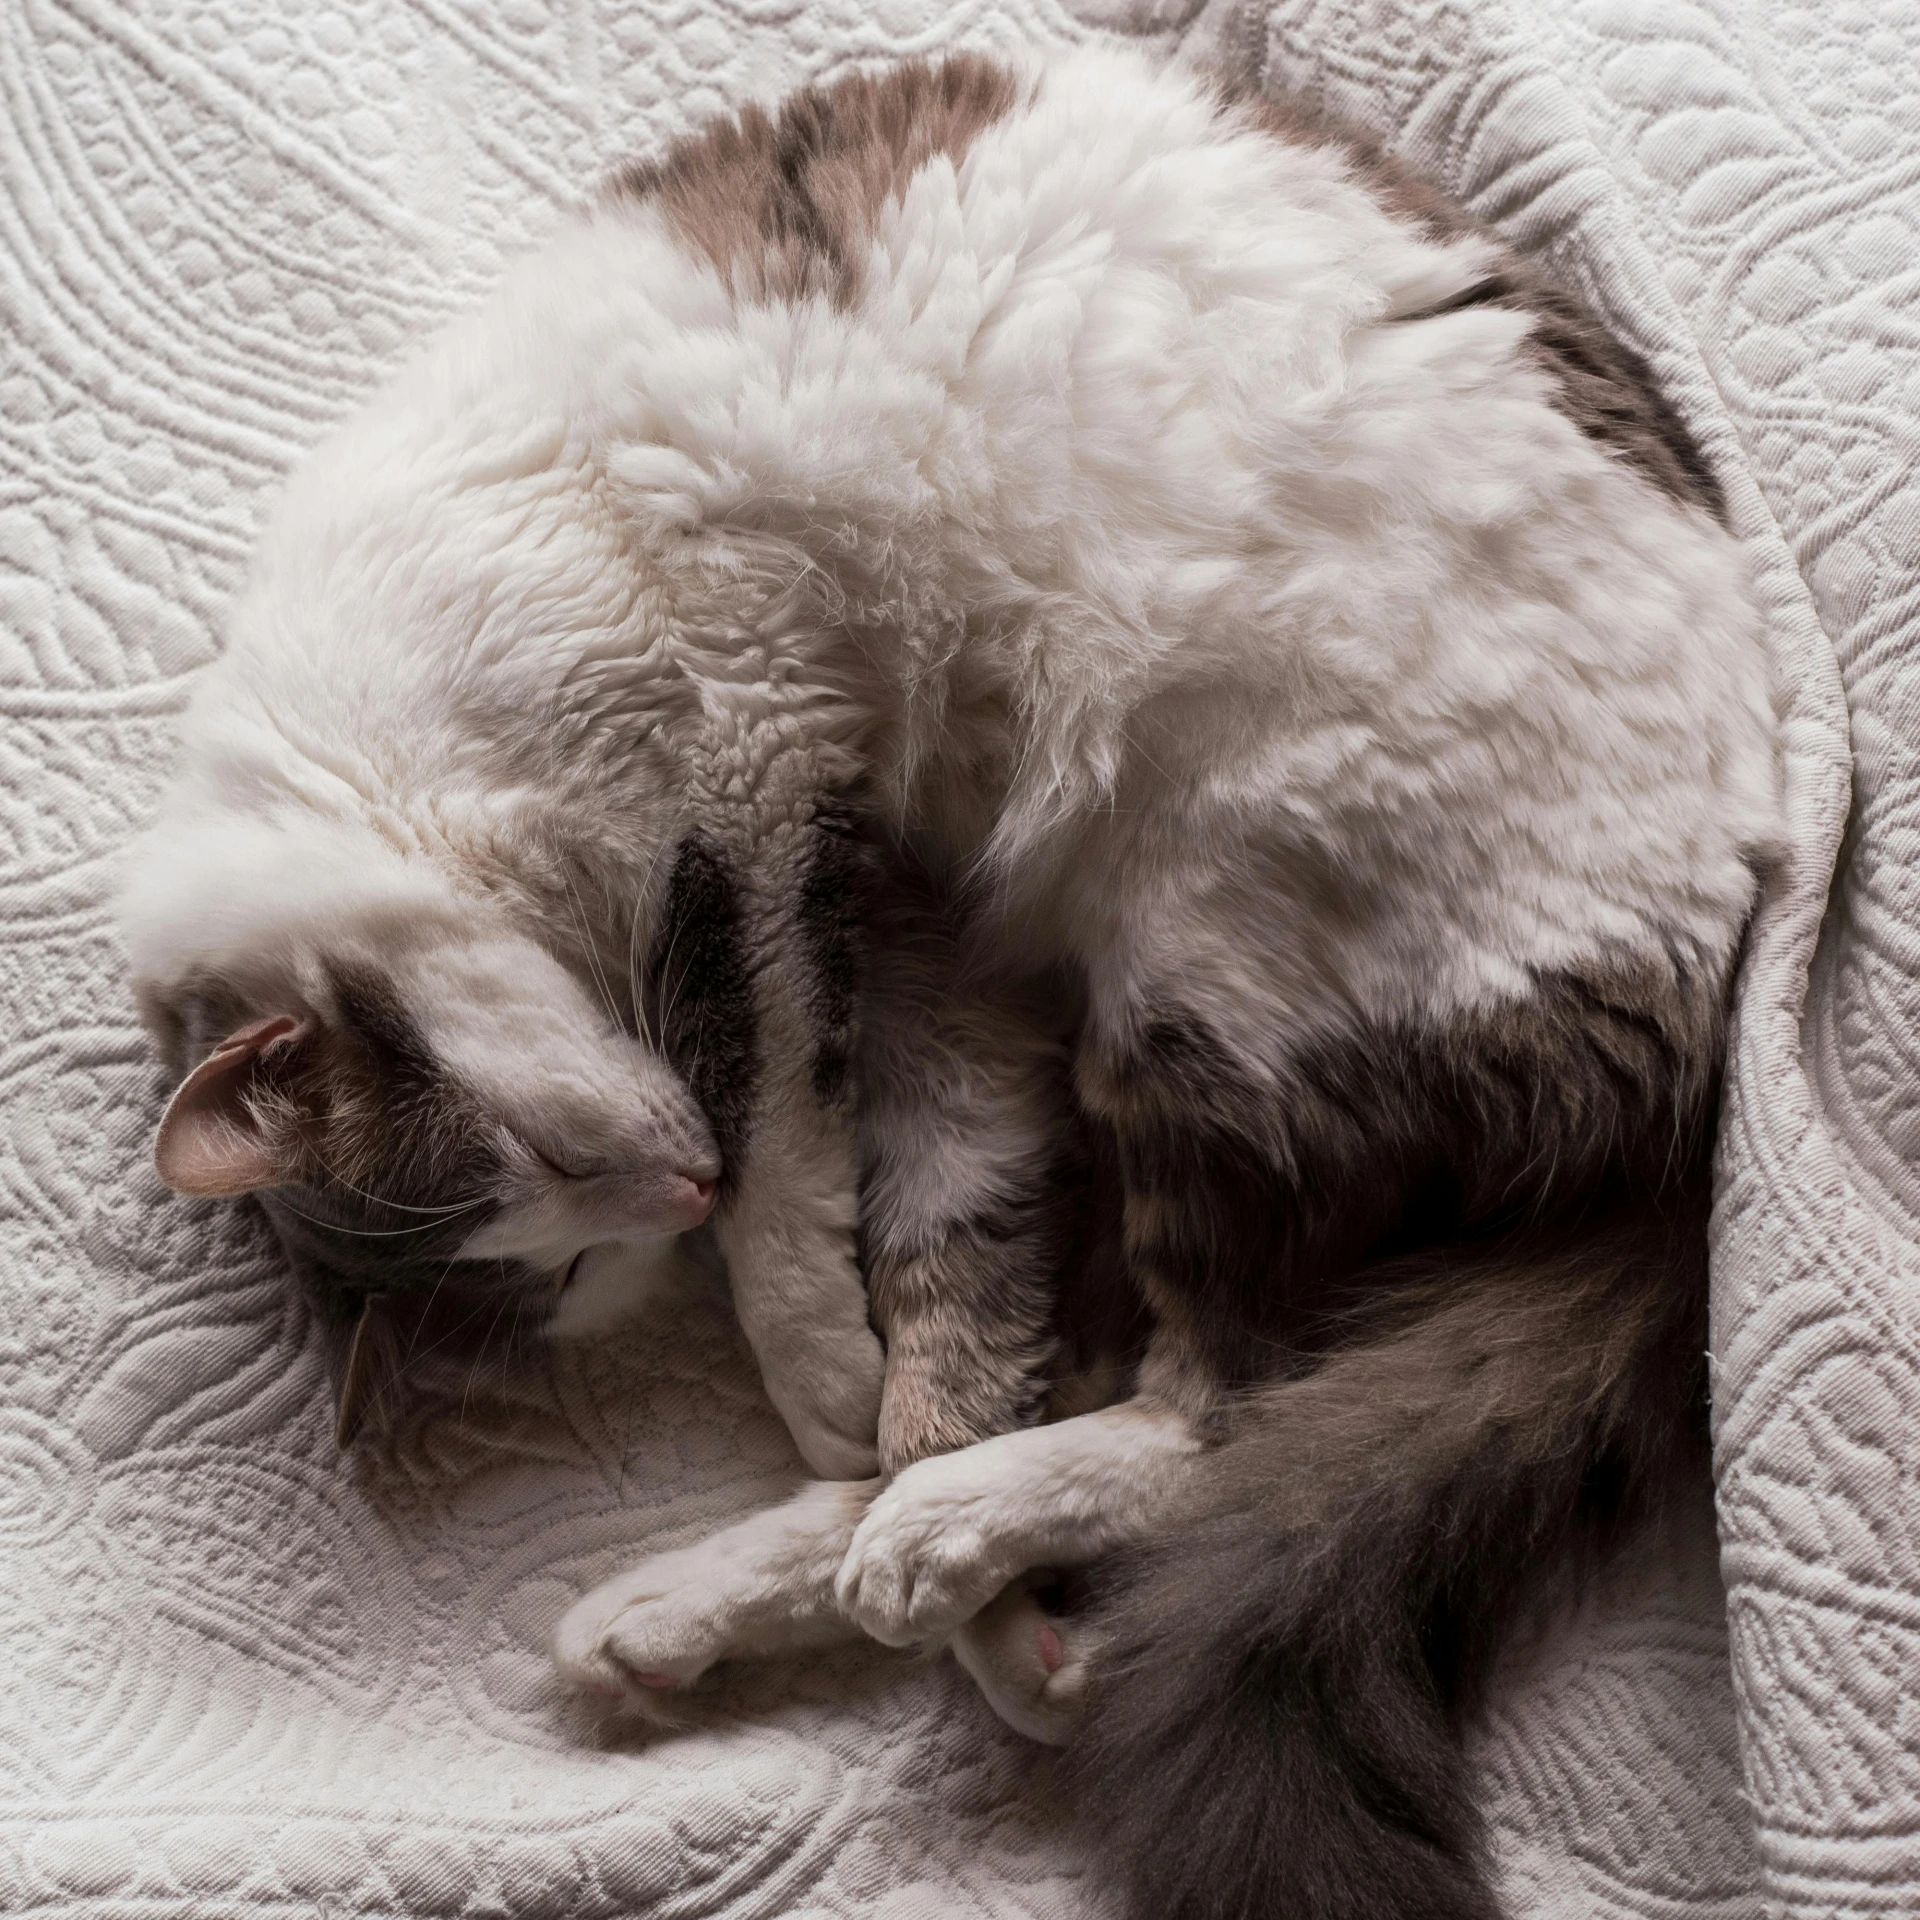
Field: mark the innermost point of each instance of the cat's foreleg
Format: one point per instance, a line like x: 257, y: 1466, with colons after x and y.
x: 756, y: 983
x: 950, y: 1533
x: 788, y: 1238
x: 973, y: 1180
x: 758, y: 1589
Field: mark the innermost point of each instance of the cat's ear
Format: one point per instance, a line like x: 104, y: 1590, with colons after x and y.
x: 211, y: 1140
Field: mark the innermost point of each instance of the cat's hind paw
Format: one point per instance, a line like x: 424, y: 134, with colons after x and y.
x: 1032, y: 1666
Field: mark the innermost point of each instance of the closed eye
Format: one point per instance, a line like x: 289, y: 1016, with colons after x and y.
x: 565, y: 1172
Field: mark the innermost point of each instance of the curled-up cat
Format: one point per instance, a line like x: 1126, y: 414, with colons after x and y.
x: 1271, y: 619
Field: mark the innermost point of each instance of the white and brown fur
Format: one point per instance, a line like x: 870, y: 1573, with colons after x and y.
x: 994, y: 637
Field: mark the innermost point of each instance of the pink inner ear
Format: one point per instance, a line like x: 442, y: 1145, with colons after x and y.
x: 257, y: 1036
x: 209, y: 1141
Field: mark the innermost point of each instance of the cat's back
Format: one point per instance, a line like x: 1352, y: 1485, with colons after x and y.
x: 1081, y: 269
x: 1146, y: 443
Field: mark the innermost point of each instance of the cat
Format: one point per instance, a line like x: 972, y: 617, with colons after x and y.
x: 1006, y: 633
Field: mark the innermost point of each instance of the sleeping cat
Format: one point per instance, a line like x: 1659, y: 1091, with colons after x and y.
x: 998, y: 623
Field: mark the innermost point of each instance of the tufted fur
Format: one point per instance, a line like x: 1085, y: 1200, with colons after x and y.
x: 785, y: 204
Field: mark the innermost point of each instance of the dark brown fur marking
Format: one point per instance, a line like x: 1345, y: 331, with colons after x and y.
x: 703, y: 997
x: 1603, y: 386
x: 1394, y: 1138
x: 831, y: 921
x: 783, y: 203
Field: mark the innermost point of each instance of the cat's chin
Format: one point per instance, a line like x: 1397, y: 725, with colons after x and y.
x: 611, y: 1286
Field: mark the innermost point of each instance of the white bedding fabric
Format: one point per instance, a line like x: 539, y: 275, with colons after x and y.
x: 243, y: 1678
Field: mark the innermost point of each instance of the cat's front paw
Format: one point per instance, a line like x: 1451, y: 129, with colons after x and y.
x: 833, y: 1423
x: 926, y: 1556
x: 762, y: 1588
x: 643, y: 1633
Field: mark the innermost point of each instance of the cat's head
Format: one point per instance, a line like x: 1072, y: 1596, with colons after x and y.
x: 428, y: 1102
x: 405, y: 918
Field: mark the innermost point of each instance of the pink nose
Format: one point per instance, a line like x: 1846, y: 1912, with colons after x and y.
x: 696, y: 1199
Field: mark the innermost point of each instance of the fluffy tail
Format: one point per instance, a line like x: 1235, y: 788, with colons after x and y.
x: 1276, y: 1732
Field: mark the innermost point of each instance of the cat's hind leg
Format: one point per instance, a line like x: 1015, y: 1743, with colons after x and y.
x: 974, y: 1180
x: 758, y: 1589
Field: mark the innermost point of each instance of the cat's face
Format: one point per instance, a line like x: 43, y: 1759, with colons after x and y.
x: 429, y: 1105
x: 392, y: 922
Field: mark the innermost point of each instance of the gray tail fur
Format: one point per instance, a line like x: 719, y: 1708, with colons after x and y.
x: 1277, y: 1729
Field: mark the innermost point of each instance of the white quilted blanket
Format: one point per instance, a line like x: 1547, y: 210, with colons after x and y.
x: 242, y: 1679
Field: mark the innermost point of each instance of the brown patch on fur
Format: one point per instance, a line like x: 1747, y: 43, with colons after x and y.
x: 1277, y: 1188
x: 783, y: 203
x: 394, y: 1166
x: 1600, y: 384
x: 1605, y: 388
